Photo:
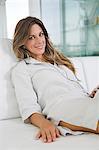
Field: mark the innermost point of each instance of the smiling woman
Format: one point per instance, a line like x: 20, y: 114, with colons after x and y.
x: 40, y: 84
x: 59, y: 99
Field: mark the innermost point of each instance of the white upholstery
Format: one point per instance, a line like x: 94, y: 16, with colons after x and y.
x: 87, y: 71
x: 8, y: 105
x: 14, y: 134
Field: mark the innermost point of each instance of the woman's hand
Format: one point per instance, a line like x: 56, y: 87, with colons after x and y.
x: 94, y: 92
x: 48, y: 132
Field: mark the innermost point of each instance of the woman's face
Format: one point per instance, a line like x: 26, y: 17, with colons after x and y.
x: 36, y: 42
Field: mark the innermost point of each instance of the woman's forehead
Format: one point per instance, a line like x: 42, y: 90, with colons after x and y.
x: 35, y: 28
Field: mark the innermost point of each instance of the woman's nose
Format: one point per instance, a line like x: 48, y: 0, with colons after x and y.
x: 38, y: 39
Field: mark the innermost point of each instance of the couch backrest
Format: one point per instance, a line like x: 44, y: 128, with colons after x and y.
x: 87, y: 71
x: 8, y: 103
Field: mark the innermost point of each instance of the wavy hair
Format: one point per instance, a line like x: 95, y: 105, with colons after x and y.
x: 50, y: 55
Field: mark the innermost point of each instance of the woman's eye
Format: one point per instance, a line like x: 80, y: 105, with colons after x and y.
x: 41, y: 34
x: 31, y: 37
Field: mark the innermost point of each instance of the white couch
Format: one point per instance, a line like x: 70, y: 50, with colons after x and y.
x: 14, y: 134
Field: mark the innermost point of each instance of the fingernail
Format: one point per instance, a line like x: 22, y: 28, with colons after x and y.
x: 44, y: 140
x: 49, y: 140
x: 58, y: 134
x: 54, y: 139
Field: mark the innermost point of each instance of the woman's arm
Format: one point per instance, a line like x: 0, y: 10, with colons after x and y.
x: 29, y: 108
x: 48, y: 131
x: 24, y: 91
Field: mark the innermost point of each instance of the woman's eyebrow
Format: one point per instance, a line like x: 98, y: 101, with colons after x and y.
x: 35, y: 34
x: 32, y: 35
x: 39, y: 32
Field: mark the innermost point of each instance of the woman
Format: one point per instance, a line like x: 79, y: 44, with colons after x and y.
x: 46, y: 86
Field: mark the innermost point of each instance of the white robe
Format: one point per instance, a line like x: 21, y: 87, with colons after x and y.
x: 54, y: 91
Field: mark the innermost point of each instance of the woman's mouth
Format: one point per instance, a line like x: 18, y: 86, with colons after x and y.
x: 39, y: 47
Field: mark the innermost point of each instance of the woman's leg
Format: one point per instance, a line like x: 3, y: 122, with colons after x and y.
x: 79, y: 128
x: 97, y: 129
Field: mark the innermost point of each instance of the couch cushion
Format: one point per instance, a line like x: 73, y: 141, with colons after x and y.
x: 91, y: 69
x: 79, y: 71
x: 8, y: 104
x: 14, y: 135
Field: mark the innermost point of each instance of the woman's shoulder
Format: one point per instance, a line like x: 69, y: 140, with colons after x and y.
x: 20, y: 66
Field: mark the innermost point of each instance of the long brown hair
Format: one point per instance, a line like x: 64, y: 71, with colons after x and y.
x: 50, y: 55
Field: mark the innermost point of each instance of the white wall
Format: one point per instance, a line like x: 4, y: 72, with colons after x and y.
x: 3, y: 25
x: 34, y: 8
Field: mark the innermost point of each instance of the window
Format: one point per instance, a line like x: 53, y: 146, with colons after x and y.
x: 15, y: 10
x: 73, y: 25
x: 51, y: 19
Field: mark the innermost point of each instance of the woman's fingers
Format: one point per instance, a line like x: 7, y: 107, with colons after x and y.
x: 58, y: 133
x: 43, y: 136
x: 51, y: 135
x: 38, y: 135
x: 54, y: 134
x: 94, y: 92
x: 48, y: 135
